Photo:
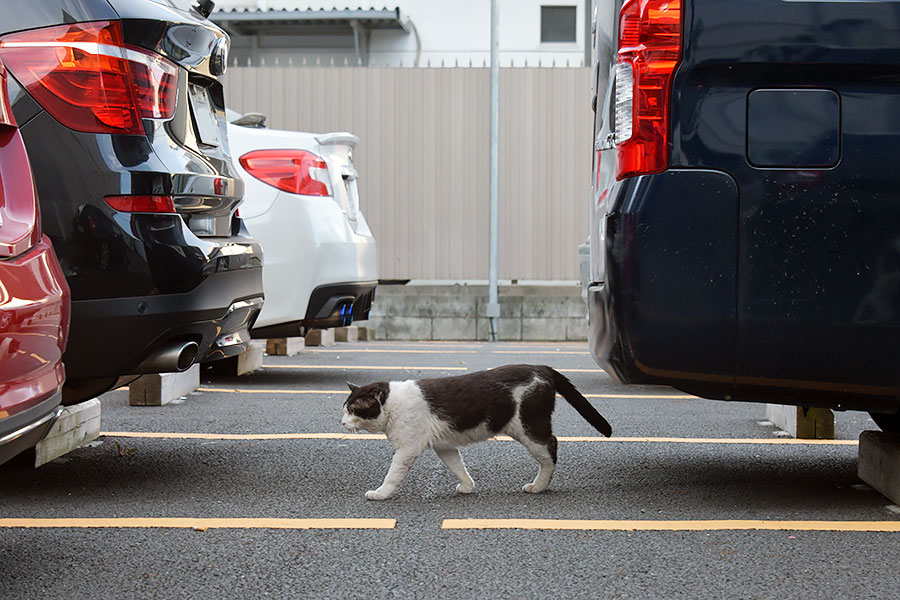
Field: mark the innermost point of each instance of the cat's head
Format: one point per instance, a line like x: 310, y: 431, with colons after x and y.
x: 362, y: 410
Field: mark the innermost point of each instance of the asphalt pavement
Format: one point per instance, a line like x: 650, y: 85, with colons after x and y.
x: 249, y: 488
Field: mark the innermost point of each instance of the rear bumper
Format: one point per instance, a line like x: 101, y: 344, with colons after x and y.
x: 309, y: 244
x: 332, y: 305
x: 668, y: 310
x: 112, y: 337
x: 25, y: 429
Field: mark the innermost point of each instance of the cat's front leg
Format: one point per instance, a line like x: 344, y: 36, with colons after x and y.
x: 400, y: 465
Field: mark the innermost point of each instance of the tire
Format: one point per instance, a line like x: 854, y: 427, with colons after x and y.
x: 886, y: 421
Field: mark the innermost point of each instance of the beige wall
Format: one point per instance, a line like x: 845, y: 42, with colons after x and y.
x: 423, y: 159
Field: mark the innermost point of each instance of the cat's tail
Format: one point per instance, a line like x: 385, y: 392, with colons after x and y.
x: 580, y: 403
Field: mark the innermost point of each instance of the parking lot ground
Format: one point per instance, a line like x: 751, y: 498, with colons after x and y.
x: 249, y: 487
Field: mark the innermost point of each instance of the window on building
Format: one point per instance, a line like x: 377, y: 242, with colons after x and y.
x: 558, y: 23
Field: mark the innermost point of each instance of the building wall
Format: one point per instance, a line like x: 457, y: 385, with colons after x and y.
x: 424, y: 160
x: 454, y: 33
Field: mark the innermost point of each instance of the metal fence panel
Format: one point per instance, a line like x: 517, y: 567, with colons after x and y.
x: 423, y: 159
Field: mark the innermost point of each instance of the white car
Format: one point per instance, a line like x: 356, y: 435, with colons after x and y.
x: 301, y: 202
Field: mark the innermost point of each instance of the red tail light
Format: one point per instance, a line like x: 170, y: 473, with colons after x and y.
x: 649, y: 50
x: 294, y: 171
x: 88, y: 80
x: 141, y: 204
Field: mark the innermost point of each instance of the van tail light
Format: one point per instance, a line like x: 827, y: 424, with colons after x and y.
x: 294, y: 171
x: 142, y: 204
x: 85, y: 76
x: 649, y: 50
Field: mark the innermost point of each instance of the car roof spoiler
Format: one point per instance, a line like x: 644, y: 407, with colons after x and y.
x: 338, y: 137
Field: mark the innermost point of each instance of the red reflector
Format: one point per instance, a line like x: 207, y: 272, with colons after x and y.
x: 142, y: 204
x: 294, y: 171
x: 88, y: 80
x: 650, y: 40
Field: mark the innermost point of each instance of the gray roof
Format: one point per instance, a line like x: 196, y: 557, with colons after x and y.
x: 243, y: 22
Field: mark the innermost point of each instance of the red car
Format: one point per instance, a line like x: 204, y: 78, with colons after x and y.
x: 34, y: 301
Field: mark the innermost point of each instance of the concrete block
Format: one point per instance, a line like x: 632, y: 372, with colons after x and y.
x: 801, y: 422
x: 403, y: 328
x: 545, y: 306
x: 509, y: 329
x: 576, y: 328
x: 77, y: 425
x: 543, y: 329
x: 452, y: 305
x: 243, y: 364
x: 285, y: 346
x: 319, y: 337
x: 346, y: 334
x: 510, y: 306
x: 161, y: 388
x: 366, y: 334
x: 879, y: 462
x: 453, y: 328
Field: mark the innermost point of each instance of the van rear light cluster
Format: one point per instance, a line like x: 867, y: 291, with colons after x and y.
x: 85, y: 76
x: 294, y: 171
x: 142, y: 204
x: 649, y: 50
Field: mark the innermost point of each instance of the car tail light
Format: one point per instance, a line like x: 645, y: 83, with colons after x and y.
x: 85, y: 76
x: 141, y: 204
x: 294, y: 171
x: 649, y: 50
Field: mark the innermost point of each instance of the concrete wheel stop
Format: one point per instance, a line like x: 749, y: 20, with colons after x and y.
x: 879, y: 462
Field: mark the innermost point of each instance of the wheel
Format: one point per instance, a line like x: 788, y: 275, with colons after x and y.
x: 887, y: 421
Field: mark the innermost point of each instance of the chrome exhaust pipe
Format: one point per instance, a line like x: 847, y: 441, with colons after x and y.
x: 173, y: 358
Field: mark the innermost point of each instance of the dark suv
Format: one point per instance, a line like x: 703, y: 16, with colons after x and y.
x: 745, y: 238
x: 123, y: 117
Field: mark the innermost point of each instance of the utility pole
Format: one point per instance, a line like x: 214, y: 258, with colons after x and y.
x: 493, y: 306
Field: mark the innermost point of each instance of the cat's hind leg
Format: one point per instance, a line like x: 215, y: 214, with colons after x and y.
x: 545, y: 454
x: 454, y: 462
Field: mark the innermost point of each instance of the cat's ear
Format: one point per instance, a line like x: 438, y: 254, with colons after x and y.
x: 378, y: 396
x: 352, y: 387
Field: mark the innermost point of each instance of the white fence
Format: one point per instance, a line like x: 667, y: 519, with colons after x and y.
x: 423, y: 159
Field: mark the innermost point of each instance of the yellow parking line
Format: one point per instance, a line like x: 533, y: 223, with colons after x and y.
x: 499, y: 438
x: 310, y: 392
x: 534, y: 351
x: 201, y: 524
x: 378, y: 351
x: 686, y: 525
x: 246, y: 391
x: 243, y: 436
x: 365, y: 368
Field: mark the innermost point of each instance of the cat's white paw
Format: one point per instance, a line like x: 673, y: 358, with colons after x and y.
x: 376, y: 495
x: 533, y: 489
x: 465, y: 489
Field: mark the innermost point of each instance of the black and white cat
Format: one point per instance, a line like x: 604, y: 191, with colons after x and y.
x: 446, y: 413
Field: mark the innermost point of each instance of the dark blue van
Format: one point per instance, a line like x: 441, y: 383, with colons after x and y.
x: 745, y: 230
